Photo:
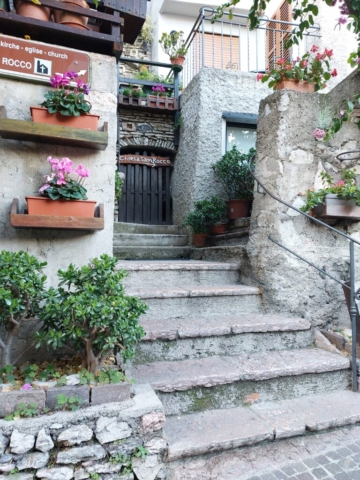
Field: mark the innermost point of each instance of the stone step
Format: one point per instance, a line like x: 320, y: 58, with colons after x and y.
x: 181, y: 338
x: 127, y: 252
x: 240, y: 224
x: 223, y: 382
x: 233, y: 238
x: 145, y: 240
x: 122, y: 227
x: 219, y: 430
x: 179, y: 273
x: 190, y: 301
x: 227, y: 253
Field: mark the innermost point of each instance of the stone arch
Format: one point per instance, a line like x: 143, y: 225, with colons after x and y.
x: 146, y: 142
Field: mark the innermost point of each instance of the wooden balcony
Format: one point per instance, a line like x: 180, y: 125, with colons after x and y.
x: 107, y: 26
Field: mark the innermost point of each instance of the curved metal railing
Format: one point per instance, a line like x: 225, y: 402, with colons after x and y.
x: 354, y: 295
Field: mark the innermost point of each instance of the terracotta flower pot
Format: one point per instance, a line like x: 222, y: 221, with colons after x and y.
x: 76, y: 25
x: 177, y: 61
x: 218, y: 229
x: 199, y: 240
x: 62, y: 208
x: 87, y: 121
x: 238, y: 208
x: 29, y: 9
x: 72, y: 19
x: 291, y: 84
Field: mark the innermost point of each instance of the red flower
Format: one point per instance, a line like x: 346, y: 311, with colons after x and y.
x: 281, y: 61
x: 314, y: 49
x: 334, y: 73
x: 259, y: 76
x: 328, y: 53
x: 288, y: 67
x: 304, y: 63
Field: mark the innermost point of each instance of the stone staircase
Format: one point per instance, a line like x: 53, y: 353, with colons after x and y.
x: 229, y: 374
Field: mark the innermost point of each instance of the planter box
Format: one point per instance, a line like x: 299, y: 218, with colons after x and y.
x: 74, y: 208
x: 290, y: 84
x: 150, y: 102
x: 9, y: 401
x: 70, y: 391
x: 336, y: 208
x: 85, y: 122
x: 134, y: 101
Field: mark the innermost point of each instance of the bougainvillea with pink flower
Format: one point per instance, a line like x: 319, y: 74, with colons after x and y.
x: 313, y: 67
x: 68, y: 98
x: 60, y: 185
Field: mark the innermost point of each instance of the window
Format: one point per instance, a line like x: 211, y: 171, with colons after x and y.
x: 242, y: 135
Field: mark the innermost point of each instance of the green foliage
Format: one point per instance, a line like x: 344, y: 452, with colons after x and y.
x: 68, y: 403
x: 141, y: 452
x: 86, y: 378
x: 95, y: 476
x: 110, y: 375
x: 342, y: 115
x: 7, y: 374
x: 147, y: 30
x: 145, y: 74
x: 21, y: 292
x: 345, y: 188
x: 136, y: 92
x: 213, y: 208
x: 66, y: 103
x: 173, y: 44
x: 24, y: 410
x: 30, y: 372
x: 119, y: 183
x: 62, y: 381
x: 48, y: 373
x: 91, y: 311
x: 233, y: 172
x: 196, y: 220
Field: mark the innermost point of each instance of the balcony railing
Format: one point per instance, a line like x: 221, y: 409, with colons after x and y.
x: 231, y: 45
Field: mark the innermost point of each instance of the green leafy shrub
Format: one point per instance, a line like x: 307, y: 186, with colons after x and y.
x: 214, y: 209
x: 21, y: 292
x: 233, y: 172
x: 196, y: 220
x: 91, y: 311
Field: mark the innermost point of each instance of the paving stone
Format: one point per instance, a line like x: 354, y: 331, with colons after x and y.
x: 344, y: 452
x: 117, y: 392
x: 310, y: 462
x: 333, y: 468
x: 69, y: 391
x: 322, y: 460
x: 356, y: 457
x: 342, y: 476
x: 326, y: 411
x: 289, y: 471
x: 299, y: 467
x: 199, y: 433
x: 319, y: 472
x: 333, y: 455
x: 285, y: 422
x: 267, y: 323
x: 347, y: 464
x: 280, y: 475
x: 233, y: 290
x: 354, y: 448
x: 304, y: 476
x: 268, y: 476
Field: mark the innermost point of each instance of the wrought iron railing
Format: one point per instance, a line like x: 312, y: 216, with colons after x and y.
x: 229, y: 43
x: 350, y: 286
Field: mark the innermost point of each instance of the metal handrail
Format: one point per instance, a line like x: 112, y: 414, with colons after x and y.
x: 354, y: 295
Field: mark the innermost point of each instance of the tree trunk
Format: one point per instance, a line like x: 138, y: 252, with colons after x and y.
x: 92, y: 362
x: 6, y: 350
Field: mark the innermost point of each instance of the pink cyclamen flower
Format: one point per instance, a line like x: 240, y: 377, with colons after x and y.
x: 82, y: 171
x: 319, y: 133
x: 54, y: 162
x: 56, y: 81
x: 44, y: 187
x: 342, y: 20
x: 71, y: 74
x: 259, y: 76
x: 357, y: 60
x: 26, y: 386
x: 61, y: 179
x: 66, y: 165
x: 334, y: 73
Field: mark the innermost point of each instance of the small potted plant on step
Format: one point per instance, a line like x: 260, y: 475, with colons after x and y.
x: 233, y: 172
x: 66, y: 104
x: 214, y: 210
x: 173, y: 45
x: 61, y: 194
x: 199, y: 223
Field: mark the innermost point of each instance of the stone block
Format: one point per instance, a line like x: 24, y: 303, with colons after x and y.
x: 6, y: 467
x: 68, y: 390
x: 152, y: 422
x: 124, y: 447
x: 18, y: 476
x: 62, y: 473
x: 81, y: 474
x: 115, y: 392
x: 109, y: 430
x: 146, y: 469
x: 33, y: 460
x: 44, y: 442
x: 4, y: 442
x: 80, y: 454
x: 75, y: 435
x: 21, y: 442
x: 9, y: 401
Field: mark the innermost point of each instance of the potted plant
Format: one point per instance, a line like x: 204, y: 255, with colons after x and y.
x: 173, y: 45
x: 306, y: 74
x: 233, y: 172
x: 32, y: 9
x: 199, y: 224
x: 135, y: 96
x: 90, y: 311
x: 344, y: 195
x: 72, y: 19
x: 66, y: 104
x: 214, y: 210
x: 62, y: 195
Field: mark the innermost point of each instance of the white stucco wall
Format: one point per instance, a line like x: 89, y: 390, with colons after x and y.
x: 23, y: 165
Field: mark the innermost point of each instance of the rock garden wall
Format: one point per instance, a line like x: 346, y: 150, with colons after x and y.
x: 108, y: 442
x: 288, y: 161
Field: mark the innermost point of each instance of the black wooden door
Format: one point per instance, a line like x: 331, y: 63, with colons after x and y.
x: 146, y: 195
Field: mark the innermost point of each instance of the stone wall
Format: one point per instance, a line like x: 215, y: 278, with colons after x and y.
x: 209, y: 94
x: 23, y: 166
x: 133, y: 51
x: 87, y: 443
x: 146, y: 131
x: 287, y: 163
